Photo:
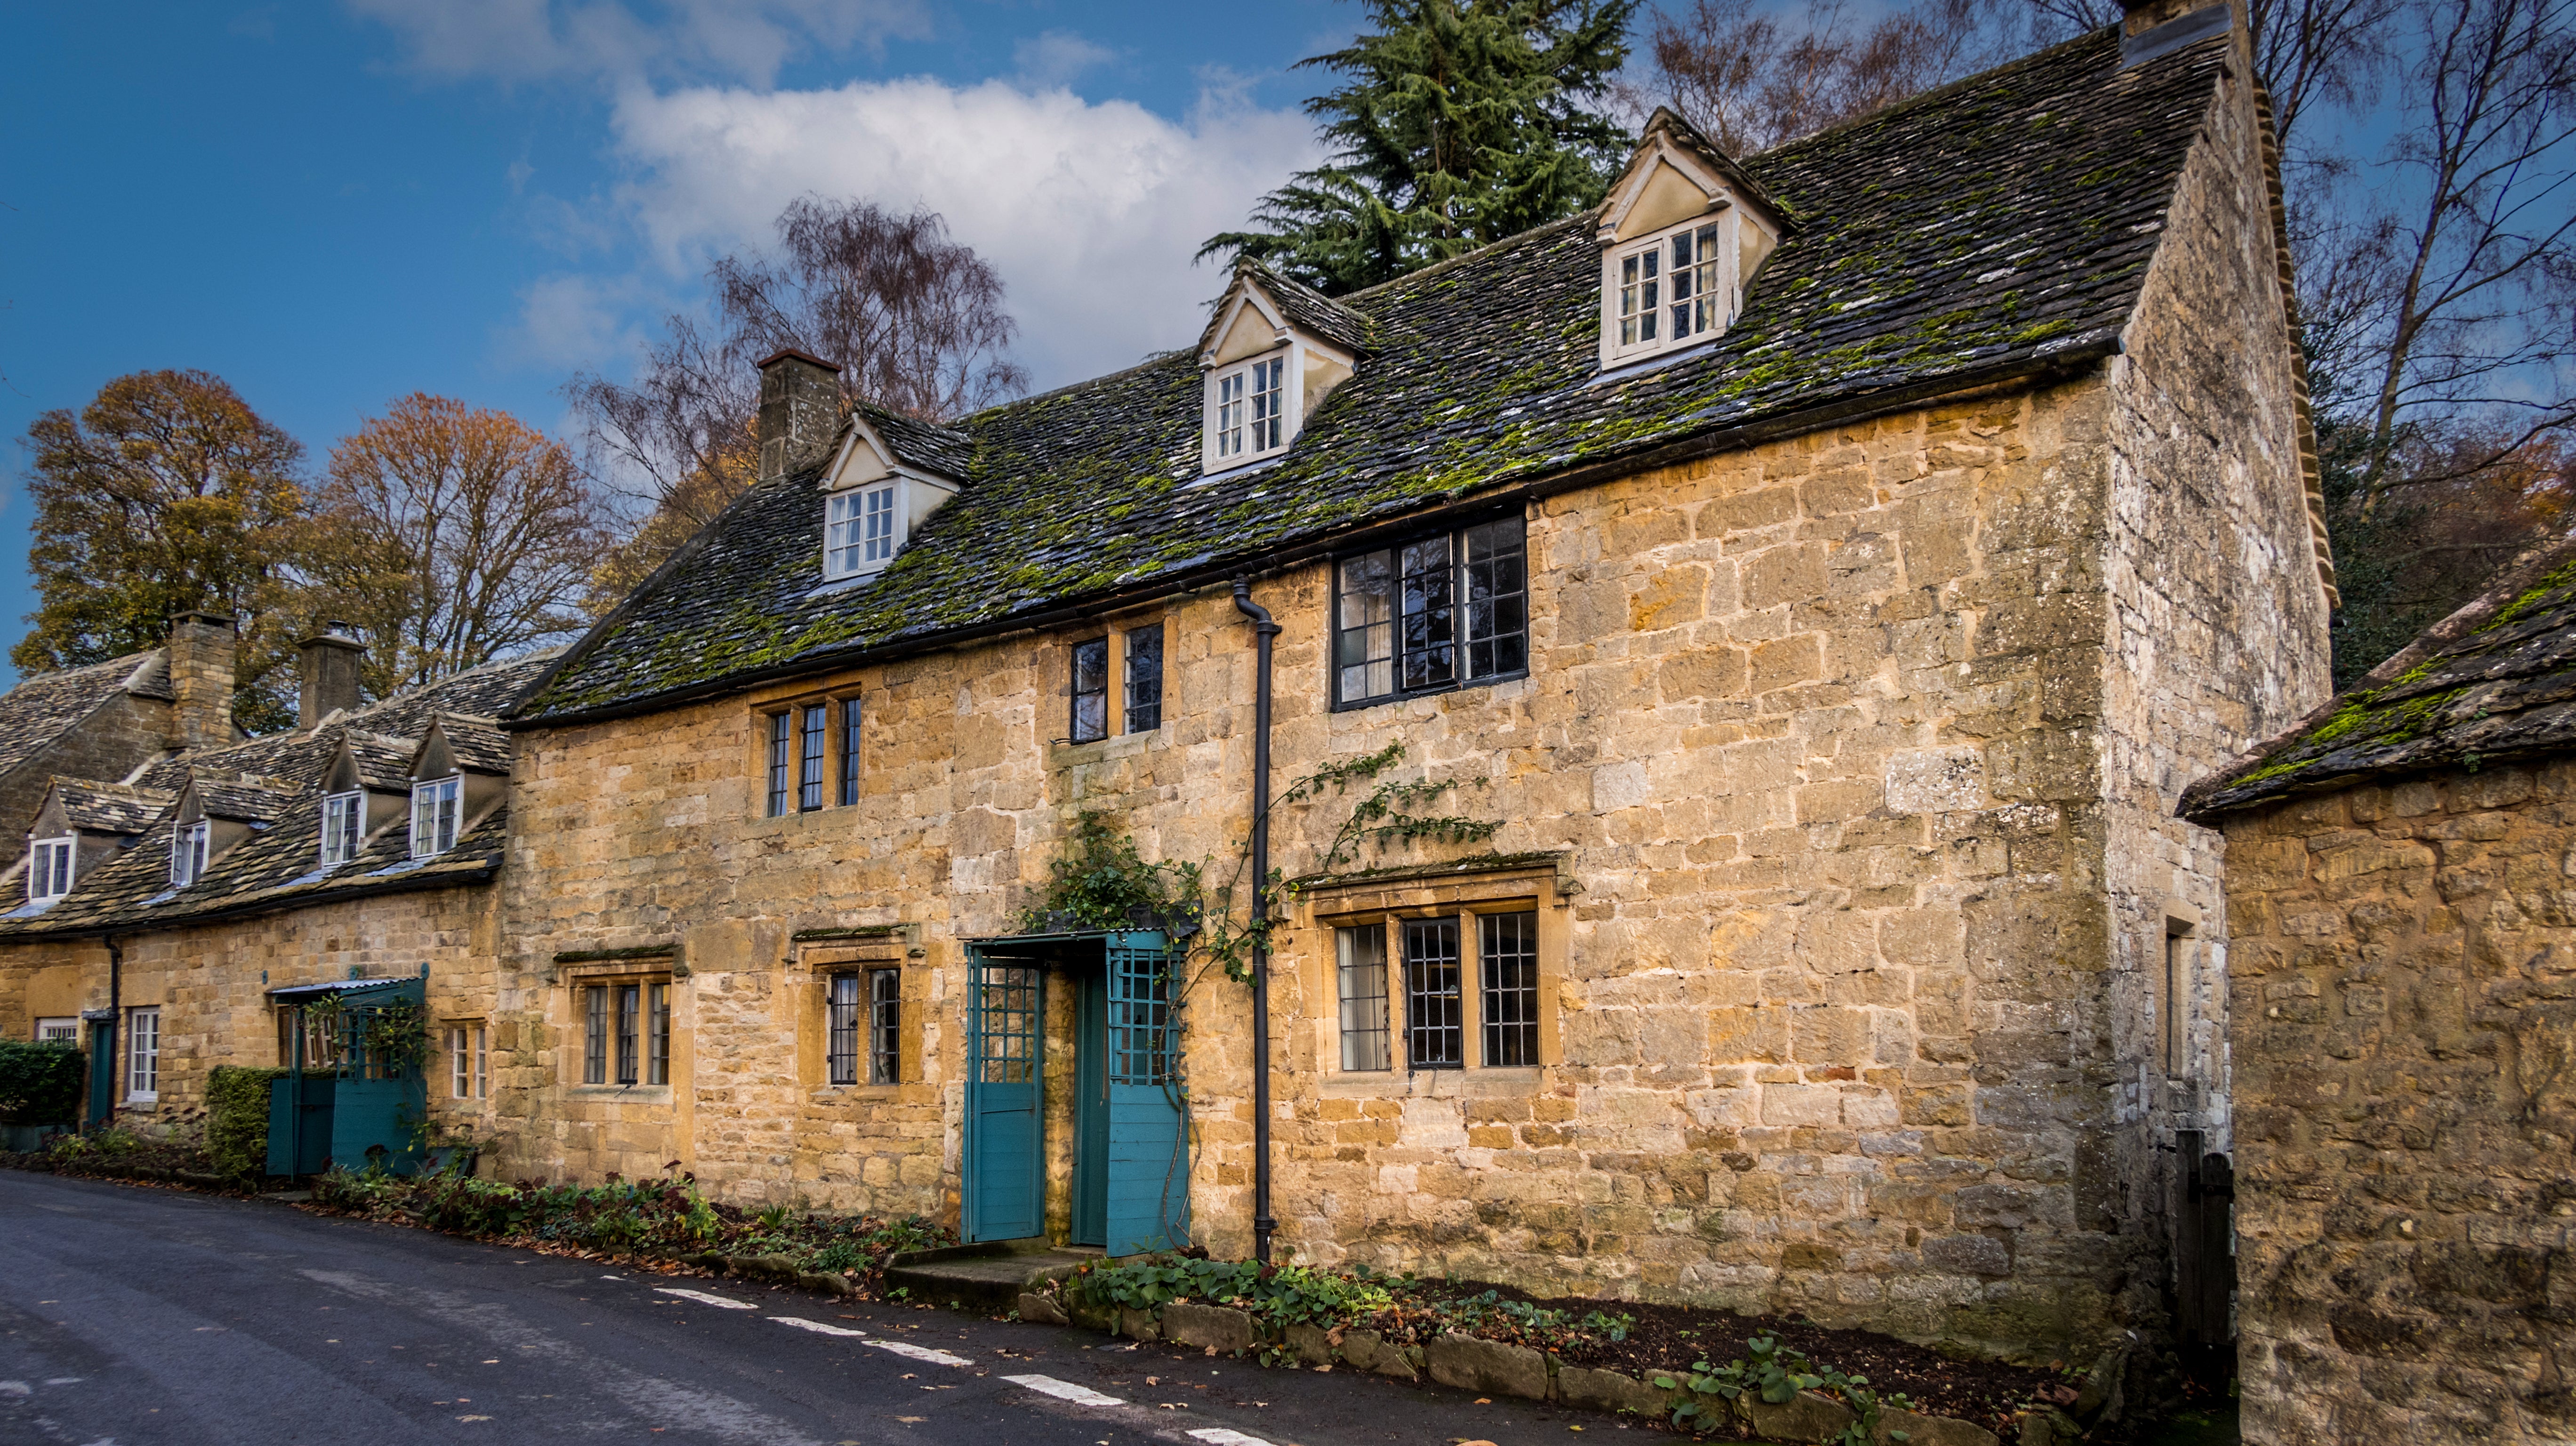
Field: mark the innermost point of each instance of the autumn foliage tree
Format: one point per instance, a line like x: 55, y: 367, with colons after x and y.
x: 166, y: 493
x: 914, y: 318
x: 450, y: 535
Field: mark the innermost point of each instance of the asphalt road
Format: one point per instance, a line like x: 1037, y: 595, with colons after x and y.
x: 133, y: 1316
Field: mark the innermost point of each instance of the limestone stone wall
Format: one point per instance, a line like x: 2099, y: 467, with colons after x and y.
x: 2217, y: 640
x: 211, y: 983
x: 2404, y: 1010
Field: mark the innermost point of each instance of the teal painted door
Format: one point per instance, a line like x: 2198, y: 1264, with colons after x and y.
x: 1091, y: 1111
x: 1005, y: 1084
x: 299, y: 1124
x: 102, y: 1069
x: 1149, y: 1164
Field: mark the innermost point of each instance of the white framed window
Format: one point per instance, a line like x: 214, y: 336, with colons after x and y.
x: 1248, y: 412
x: 64, y: 1029
x: 188, y: 852
x: 437, y: 808
x: 344, y: 822
x: 862, y: 528
x: 49, y: 868
x: 469, y: 1062
x: 142, y: 1055
x: 1672, y: 289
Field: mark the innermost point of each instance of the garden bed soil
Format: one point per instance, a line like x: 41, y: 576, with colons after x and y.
x: 1667, y: 1339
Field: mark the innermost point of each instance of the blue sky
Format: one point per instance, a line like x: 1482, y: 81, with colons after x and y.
x: 331, y: 205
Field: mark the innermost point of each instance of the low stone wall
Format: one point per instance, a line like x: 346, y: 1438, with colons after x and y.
x: 1497, y: 1368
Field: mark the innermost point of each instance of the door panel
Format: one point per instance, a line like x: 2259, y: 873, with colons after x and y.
x: 1149, y: 1175
x: 1005, y: 1198
x: 1091, y: 1111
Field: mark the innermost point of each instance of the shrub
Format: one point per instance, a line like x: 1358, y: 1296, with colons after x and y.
x: 40, y: 1084
x: 237, y: 1118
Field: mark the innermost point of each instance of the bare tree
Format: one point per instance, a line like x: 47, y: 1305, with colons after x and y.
x: 1751, y: 77
x: 914, y: 318
x: 450, y: 536
x: 2462, y: 287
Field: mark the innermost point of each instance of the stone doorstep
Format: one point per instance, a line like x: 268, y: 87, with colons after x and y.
x: 995, y: 1278
x: 1494, y: 1368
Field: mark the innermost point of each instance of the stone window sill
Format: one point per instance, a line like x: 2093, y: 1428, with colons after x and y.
x: 1432, y: 1083
x: 1061, y: 754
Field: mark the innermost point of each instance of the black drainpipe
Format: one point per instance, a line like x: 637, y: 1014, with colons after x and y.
x: 115, y: 1022
x: 1263, y: 630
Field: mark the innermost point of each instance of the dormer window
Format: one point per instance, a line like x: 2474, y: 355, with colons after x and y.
x: 188, y: 849
x: 437, y: 808
x: 861, y: 533
x: 874, y: 498
x: 1681, y: 234
x: 1266, y: 364
x: 344, y: 822
x: 49, y: 868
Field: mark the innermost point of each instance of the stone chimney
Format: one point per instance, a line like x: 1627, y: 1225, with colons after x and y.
x: 800, y: 412
x: 201, y: 680
x: 327, y: 669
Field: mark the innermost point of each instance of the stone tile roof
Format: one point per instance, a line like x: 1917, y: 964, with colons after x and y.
x: 1316, y: 314
x: 37, y: 711
x: 927, y: 445
x: 2001, y: 226
x: 243, y: 799
x: 2492, y: 683
x: 109, y: 807
x: 383, y: 761
x: 274, y: 783
x: 478, y: 743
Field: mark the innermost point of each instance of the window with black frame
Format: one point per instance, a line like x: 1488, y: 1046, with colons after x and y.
x: 1145, y: 679
x: 885, y: 1026
x: 1434, y: 1011
x: 849, y: 751
x: 1445, y: 611
x: 841, y: 1031
x: 1090, y: 691
x: 813, y: 733
x: 782, y: 736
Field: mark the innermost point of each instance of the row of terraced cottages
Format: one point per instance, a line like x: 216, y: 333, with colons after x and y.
x: 1823, y: 572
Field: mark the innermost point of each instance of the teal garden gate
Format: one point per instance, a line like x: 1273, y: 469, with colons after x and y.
x: 352, y: 1088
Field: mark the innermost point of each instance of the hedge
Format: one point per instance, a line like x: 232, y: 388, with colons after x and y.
x: 40, y: 1084
x: 237, y: 1119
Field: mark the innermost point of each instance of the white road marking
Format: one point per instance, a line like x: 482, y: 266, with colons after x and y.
x: 818, y: 1327
x: 920, y: 1353
x: 1220, y: 1436
x: 1064, y: 1390
x: 702, y: 1298
x: 16, y: 1388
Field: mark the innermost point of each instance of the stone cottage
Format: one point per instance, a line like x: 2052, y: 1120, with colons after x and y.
x: 2403, y: 1014
x: 1824, y: 572
x: 200, y: 913
x: 108, y: 720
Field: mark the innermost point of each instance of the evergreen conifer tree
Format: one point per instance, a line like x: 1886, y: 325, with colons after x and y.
x: 1461, y: 122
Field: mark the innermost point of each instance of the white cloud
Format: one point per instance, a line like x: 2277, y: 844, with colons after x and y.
x: 1056, y: 58
x: 570, y: 322
x: 1091, y: 211
x: 743, y: 40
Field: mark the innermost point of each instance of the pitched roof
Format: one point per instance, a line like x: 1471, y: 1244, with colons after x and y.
x: 109, y: 807
x: 2491, y: 683
x: 275, y: 784
x: 477, y: 743
x: 927, y: 445
x: 1316, y: 314
x: 36, y: 712
x: 2001, y: 226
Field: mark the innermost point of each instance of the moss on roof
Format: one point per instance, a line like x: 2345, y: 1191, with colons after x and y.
x: 2495, y: 681
x: 2002, y: 223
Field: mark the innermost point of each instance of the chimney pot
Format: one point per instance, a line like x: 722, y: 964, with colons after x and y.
x: 202, y: 647
x: 327, y: 669
x: 800, y: 412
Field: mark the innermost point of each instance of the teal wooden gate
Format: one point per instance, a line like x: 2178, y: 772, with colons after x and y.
x: 354, y: 1102
x: 1149, y: 1166
x: 1004, y: 1183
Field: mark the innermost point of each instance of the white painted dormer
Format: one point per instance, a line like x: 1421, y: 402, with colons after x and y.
x: 873, y: 500
x: 1262, y: 375
x: 1681, y: 235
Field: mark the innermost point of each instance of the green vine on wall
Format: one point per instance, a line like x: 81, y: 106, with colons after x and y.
x: 1101, y: 881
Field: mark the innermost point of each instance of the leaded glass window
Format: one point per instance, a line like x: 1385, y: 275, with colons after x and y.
x: 841, y: 1031
x: 885, y: 1026
x: 1432, y: 613
x: 1090, y: 690
x: 1362, y: 970
x: 1145, y: 679
x: 1507, y: 958
x: 1434, y: 1011
x: 813, y: 733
